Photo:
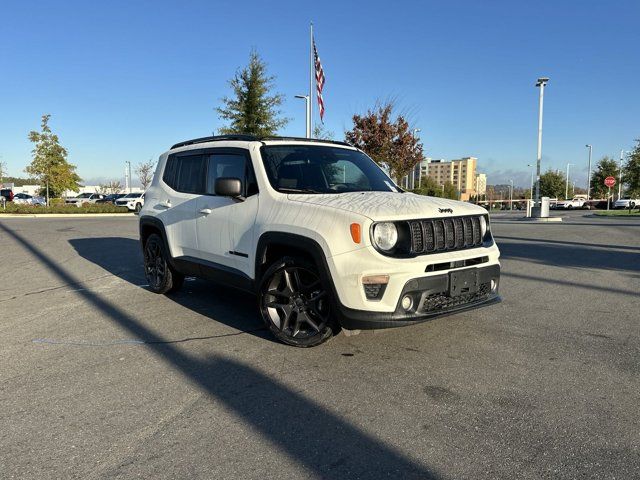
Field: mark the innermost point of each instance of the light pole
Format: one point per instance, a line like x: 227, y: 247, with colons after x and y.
x: 589, y: 174
x: 127, y: 173
x: 566, y: 187
x: 542, y: 81
x: 413, y: 173
x: 531, y: 189
x: 511, y: 196
x: 307, y: 104
x: 620, y: 175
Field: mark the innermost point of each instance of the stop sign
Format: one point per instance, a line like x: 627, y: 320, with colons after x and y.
x: 609, y: 182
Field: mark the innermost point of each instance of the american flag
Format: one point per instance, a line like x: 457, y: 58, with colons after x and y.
x: 319, y: 80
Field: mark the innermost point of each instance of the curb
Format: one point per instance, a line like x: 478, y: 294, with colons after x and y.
x: 64, y: 215
x: 627, y: 216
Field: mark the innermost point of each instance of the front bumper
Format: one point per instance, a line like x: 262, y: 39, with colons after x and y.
x: 431, y: 299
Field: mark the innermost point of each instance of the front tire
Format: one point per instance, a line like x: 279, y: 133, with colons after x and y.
x: 138, y: 207
x: 159, y: 274
x: 295, y: 304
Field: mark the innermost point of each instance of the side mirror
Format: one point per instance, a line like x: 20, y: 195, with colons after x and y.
x: 228, y: 187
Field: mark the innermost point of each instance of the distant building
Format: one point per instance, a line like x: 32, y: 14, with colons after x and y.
x: 461, y: 173
x: 481, y: 184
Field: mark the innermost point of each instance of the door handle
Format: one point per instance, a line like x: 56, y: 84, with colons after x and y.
x: 205, y: 211
x: 166, y: 204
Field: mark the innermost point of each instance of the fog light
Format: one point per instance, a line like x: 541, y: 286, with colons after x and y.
x: 494, y: 286
x: 407, y: 302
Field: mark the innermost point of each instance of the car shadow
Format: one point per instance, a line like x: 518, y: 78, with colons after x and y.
x: 306, y: 432
x: 122, y: 257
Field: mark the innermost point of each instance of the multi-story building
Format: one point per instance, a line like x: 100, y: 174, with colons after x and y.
x: 461, y: 173
x: 481, y: 184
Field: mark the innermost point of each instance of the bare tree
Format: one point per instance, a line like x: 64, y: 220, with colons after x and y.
x: 145, y: 173
x: 113, y: 186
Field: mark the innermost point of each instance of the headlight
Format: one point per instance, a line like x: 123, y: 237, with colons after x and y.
x: 385, y: 236
x: 483, y: 226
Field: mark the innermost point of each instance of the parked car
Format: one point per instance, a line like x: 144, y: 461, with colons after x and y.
x: 625, y: 202
x: 84, y: 198
x: 133, y: 201
x: 318, y: 231
x: 26, y: 199
x: 576, y: 202
x: 111, y: 198
x: 7, y: 193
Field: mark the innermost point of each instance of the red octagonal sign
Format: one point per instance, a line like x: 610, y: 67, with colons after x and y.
x: 609, y: 182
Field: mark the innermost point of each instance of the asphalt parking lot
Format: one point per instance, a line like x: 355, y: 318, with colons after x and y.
x: 100, y: 378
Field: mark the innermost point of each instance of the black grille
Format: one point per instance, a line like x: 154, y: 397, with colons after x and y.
x: 441, y: 301
x: 445, y: 234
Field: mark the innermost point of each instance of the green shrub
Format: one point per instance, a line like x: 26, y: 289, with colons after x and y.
x: 62, y: 208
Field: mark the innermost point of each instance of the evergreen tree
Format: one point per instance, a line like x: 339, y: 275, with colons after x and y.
x: 552, y: 184
x: 631, y: 172
x: 428, y: 186
x: 450, y: 191
x: 252, y: 110
x: 606, y: 167
x: 49, y: 164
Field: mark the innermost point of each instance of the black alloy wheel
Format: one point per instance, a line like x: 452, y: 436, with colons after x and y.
x: 161, y: 277
x: 295, y: 305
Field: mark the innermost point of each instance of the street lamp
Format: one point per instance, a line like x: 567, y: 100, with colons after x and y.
x: 511, y: 196
x: 307, y: 104
x: 566, y: 187
x: 127, y: 175
x: 589, y: 174
x: 542, y: 81
x: 620, y: 174
x: 531, y: 189
x: 413, y: 173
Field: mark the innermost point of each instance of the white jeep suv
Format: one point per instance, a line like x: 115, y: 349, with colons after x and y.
x: 317, y: 231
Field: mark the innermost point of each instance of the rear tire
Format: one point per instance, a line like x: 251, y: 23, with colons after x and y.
x: 295, y: 304
x: 161, y: 277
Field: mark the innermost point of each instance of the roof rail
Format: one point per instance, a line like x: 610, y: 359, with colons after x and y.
x: 216, y: 138
x: 252, y: 138
x: 304, y: 139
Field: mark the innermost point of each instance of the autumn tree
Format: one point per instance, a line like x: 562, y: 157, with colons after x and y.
x: 49, y: 164
x: 552, y: 184
x: 606, y: 167
x: 252, y: 109
x: 145, y: 171
x: 389, y: 141
x: 631, y: 172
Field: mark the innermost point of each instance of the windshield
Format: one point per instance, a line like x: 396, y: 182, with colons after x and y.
x: 84, y: 195
x: 132, y: 195
x: 322, y: 169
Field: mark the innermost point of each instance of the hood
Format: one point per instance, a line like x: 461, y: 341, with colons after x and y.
x: 379, y: 206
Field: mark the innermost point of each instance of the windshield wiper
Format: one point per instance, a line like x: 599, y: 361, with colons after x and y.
x: 298, y: 190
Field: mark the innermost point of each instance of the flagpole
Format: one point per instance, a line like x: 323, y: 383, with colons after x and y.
x: 311, y: 75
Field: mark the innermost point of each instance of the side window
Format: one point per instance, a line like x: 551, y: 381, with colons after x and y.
x: 169, y: 176
x: 190, y: 174
x: 225, y: 165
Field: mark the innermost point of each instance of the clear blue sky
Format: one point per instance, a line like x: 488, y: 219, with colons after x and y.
x: 124, y: 80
